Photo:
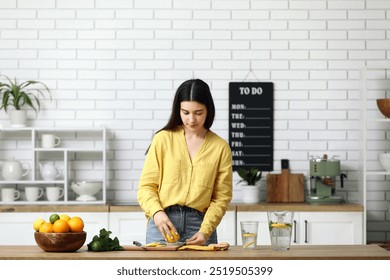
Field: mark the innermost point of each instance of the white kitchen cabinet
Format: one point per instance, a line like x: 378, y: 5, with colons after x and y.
x: 226, y: 230
x: 16, y: 228
x: 81, y: 156
x: 311, y: 228
x: 331, y: 228
x: 130, y: 226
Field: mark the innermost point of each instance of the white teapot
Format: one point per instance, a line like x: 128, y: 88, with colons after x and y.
x: 49, y: 172
x: 13, y: 170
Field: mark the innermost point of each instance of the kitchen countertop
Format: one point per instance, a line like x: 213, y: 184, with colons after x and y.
x: 296, y: 252
x: 301, y: 207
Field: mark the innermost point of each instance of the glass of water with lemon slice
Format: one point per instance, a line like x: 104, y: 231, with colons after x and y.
x: 280, y: 227
x: 249, y: 234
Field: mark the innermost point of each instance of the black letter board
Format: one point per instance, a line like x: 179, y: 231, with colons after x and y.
x: 251, y: 125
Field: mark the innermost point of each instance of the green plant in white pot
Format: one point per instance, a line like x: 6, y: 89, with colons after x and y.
x: 16, y: 96
x: 250, y: 190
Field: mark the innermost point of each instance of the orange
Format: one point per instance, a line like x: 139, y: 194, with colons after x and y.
x: 61, y: 226
x: 76, y: 224
x: 46, y: 228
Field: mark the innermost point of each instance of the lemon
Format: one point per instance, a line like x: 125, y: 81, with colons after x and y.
x: 64, y: 217
x: 53, y: 218
x: 37, y: 224
x: 173, y: 237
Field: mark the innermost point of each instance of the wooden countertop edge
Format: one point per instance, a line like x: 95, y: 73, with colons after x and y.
x: 301, y: 207
x: 195, y: 258
x: 306, y: 252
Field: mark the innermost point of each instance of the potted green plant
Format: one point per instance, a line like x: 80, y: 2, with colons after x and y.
x: 250, y: 190
x: 17, y: 96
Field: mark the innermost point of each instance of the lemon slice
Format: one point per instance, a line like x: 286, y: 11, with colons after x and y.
x: 279, y: 225
x: 155, y: 244
x: 249, y: 234
x: 248, y: 244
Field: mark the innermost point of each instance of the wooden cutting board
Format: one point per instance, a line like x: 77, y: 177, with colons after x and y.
x: 285, y: 187
x: 144, y: 248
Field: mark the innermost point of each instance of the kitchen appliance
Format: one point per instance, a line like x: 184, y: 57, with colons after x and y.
x: 323, y: 175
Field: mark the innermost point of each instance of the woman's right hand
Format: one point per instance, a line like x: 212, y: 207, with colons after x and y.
x: 164, y: 224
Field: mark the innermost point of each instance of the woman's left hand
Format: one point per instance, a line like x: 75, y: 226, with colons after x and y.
x: 197, y: 239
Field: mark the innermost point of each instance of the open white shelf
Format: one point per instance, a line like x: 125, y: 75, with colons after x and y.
x: 374, y: 126
x: 81, y: 156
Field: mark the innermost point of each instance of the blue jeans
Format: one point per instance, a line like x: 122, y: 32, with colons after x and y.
x: 186, y: 220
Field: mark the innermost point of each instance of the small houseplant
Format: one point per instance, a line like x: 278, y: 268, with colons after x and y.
x: 250, y: 191
x: 16, y: 96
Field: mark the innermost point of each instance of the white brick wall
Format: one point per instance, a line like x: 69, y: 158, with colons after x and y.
x: 123, y: 59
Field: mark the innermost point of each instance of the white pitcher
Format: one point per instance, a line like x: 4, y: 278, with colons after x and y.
x: 13, y: 170
x: 49, y: 171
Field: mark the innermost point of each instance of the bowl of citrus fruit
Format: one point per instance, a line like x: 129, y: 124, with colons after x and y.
x: 61, y: 233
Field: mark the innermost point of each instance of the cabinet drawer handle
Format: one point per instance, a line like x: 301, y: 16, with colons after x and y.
x: 306, y: 231
x: 295, y: 231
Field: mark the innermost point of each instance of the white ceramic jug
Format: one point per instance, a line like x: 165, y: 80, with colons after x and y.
x: 49, y: 172
x: 13, y: 170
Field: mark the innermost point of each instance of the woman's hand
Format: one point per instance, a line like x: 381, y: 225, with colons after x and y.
x: 164, y: 224
x: 197, y: 239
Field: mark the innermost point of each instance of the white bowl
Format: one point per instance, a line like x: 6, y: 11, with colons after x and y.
x: 384, y: 159
x: 86, y: 190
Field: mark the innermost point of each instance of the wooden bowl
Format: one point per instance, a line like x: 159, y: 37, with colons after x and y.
x: 60, y: 242
x: 384, y: 106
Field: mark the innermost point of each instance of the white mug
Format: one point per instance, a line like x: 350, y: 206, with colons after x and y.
x: 54, y: 193
x: 9, y: 194
x: 50, y: 141
x: 33, y: 193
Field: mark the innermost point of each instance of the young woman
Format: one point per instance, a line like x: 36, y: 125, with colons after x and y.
x: 186, y: 183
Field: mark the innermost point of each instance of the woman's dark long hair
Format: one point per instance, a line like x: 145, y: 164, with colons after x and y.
x: 191, y: 90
